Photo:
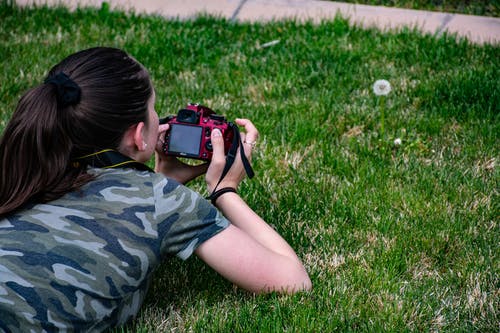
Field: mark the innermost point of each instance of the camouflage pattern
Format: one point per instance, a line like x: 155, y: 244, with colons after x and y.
x: 83, y: 262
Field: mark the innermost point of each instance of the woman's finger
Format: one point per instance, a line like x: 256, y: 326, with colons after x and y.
x: 161, y: 136
x: 249, y: 139
x: 251, y: 131
x: 163, y: 128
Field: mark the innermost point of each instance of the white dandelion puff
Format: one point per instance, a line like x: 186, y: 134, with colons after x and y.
x: 381, y: 87
x: 397, y: 142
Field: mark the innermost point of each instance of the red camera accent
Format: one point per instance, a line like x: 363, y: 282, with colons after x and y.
x: 190, y: 131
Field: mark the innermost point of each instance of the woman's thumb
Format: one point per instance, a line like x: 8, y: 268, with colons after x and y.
x: 217, y: 145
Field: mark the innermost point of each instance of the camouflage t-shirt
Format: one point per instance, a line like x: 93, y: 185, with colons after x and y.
x: 83, y: 262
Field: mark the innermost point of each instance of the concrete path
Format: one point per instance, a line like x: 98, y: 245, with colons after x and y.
x: 478, y: 29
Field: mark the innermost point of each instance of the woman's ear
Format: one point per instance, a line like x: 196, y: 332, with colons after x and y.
x: 139, y: 140
x: 133, y: 140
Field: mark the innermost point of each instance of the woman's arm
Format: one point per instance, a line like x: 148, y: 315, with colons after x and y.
x: 173, y: 168
x: 249, y: 253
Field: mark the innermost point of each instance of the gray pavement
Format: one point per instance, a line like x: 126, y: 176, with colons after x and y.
x: 477, y: 29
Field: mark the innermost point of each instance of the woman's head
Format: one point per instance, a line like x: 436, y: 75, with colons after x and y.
x: 115, y: 90
x: 45, y: 134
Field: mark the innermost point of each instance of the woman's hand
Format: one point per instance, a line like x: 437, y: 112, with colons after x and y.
x: 171, y: 166
x: 237, y: 172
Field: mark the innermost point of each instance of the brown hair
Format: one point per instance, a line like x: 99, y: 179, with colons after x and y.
x: 42, y: 138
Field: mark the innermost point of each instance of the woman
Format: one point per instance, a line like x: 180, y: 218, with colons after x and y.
x: 80, y: 238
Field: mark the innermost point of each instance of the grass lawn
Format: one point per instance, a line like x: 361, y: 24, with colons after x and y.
x: 395, y: 237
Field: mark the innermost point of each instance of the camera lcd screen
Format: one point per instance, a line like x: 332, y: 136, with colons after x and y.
x: 185, y: 139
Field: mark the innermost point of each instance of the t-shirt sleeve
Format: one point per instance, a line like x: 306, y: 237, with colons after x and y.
x: 185, y: 218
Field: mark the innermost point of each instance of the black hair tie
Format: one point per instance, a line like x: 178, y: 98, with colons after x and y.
x: 68, y: 92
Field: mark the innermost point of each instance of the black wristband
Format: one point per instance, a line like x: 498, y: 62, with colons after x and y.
x: 216, y: 194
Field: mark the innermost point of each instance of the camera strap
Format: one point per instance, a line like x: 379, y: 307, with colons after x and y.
x: 109, y: 158
x: 231, y: 156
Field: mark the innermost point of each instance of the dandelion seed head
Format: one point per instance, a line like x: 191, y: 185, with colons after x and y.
x: 381, y: 87
x: 397, y: 142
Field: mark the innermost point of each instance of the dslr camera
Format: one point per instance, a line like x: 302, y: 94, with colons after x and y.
x: 189, y: 132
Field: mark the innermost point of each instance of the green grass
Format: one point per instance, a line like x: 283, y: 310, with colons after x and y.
x: 470, y: 7
x: 395, y: 238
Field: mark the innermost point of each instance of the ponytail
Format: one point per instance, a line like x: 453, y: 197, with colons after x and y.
x: 35, y: 152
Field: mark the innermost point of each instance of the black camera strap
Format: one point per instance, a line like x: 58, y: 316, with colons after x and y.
x: 231, y: 156
x: 109, y: 158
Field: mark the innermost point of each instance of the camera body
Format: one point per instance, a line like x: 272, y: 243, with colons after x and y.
x: 190, y: 131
